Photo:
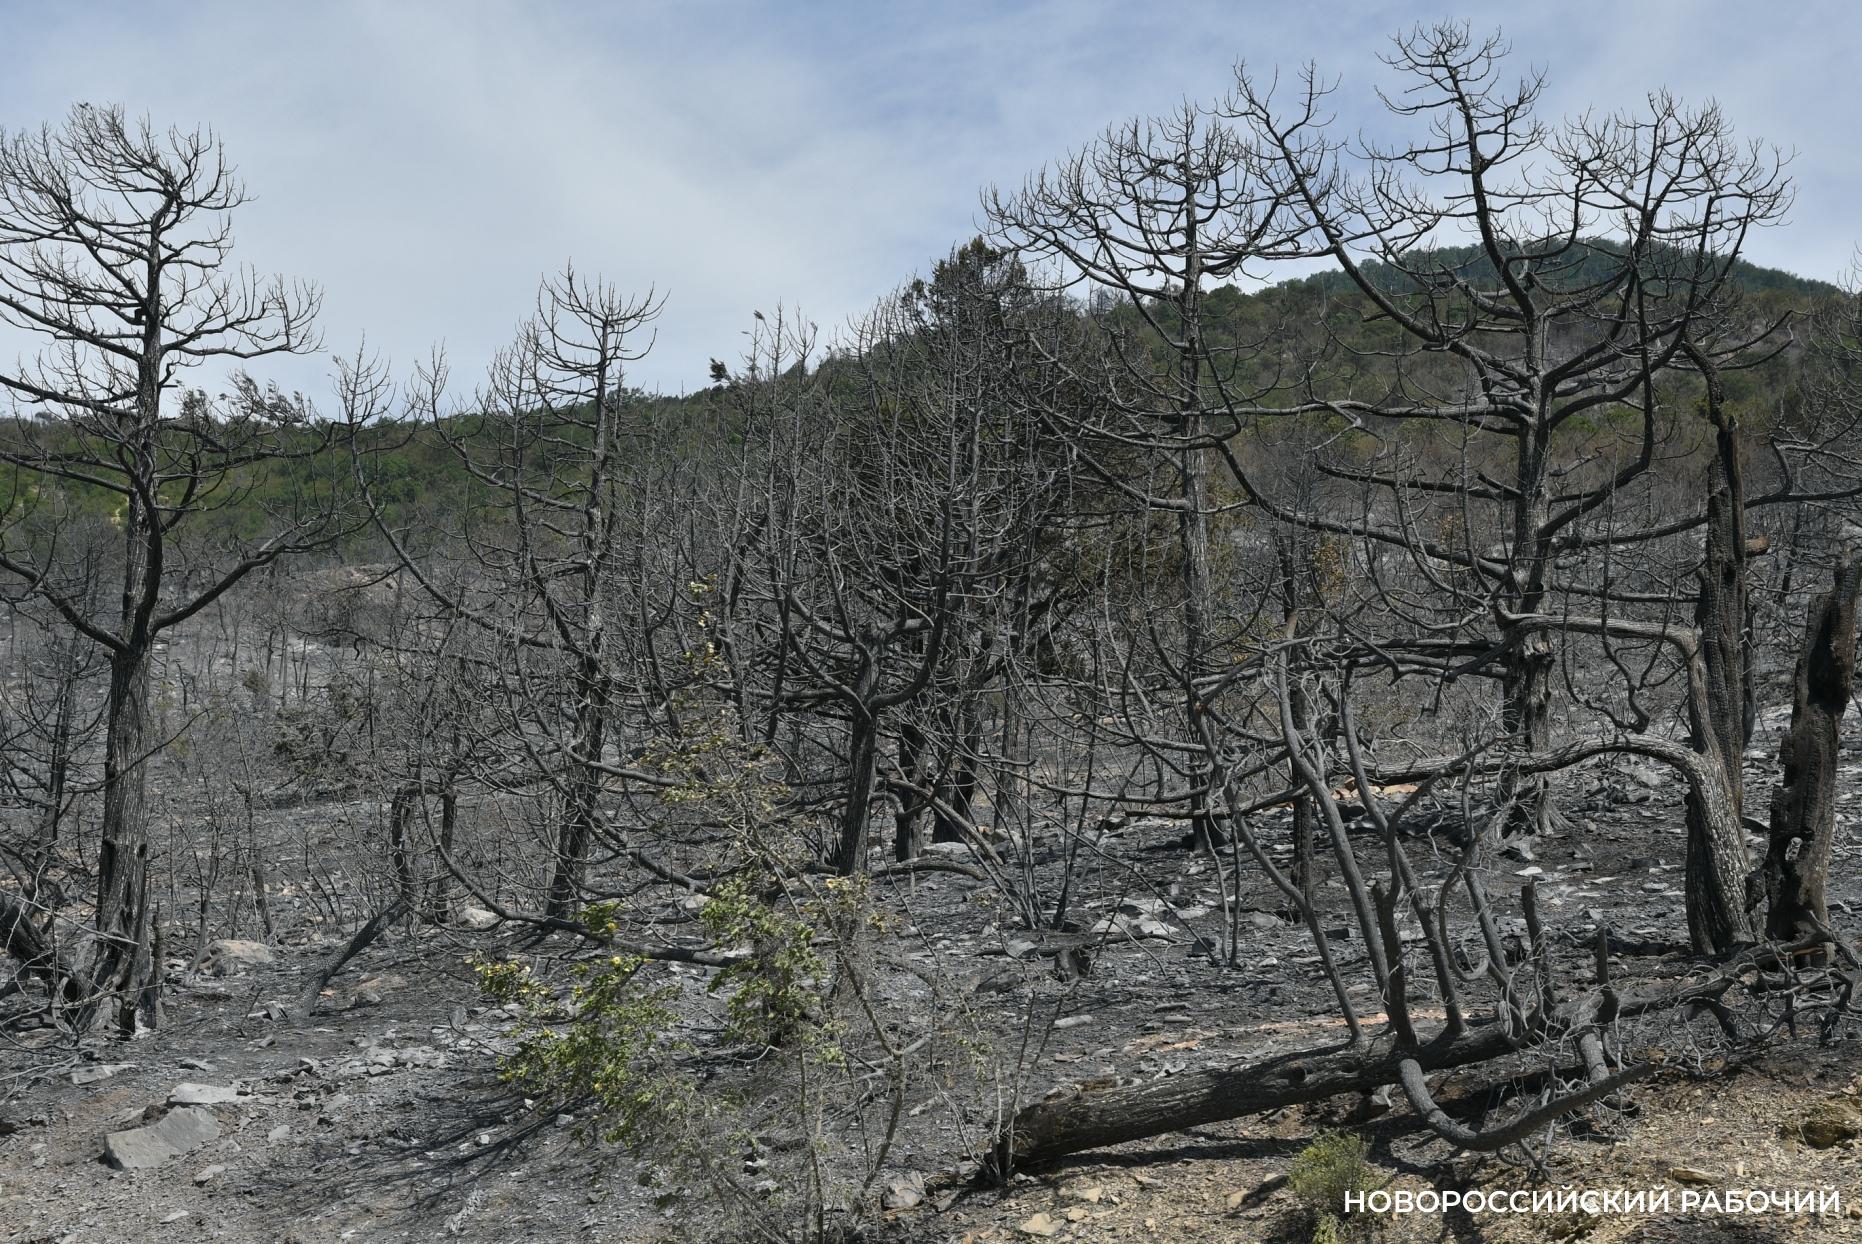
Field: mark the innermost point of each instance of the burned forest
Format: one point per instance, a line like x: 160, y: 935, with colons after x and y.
x: 1292, y: 667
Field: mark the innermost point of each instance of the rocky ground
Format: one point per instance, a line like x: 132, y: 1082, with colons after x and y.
x: 382, y: 1118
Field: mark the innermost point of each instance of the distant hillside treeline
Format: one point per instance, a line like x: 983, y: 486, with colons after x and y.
x: 1271, y: 346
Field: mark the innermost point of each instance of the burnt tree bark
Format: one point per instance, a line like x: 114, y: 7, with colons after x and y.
x: 1720, y: 716
x: 1803, y: 819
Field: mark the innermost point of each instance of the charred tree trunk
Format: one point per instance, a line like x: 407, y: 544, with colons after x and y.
x: 1193, y: 474
x: 439, y: 886
x: 58, y: 769
x: 1056, y: 1128
x: 908, y: 834
x: 583, y: 795
x: 1531, y: 667
x: 850, y: 859
x: 1718, y: 863
x: 1720, y: 721
x: 951, y: 778
x: 955, y: 800
x: 1531, y: 661
x: 1083, y: 1120
x: 1803, y: 819
x: 120, y: 975
x: 400, y: 827
x: 373, y: 928
x: 1722, y: 610
x: 1305, y: 821
x: 862, y: 760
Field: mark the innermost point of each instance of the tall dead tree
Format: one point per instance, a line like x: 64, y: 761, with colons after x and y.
x: 1152, y: 218
x: 1533, y: 282
x: 115, y: 244
x: 549, y: 446
x: 957, y: 362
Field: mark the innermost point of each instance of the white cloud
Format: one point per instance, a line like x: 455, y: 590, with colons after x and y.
x: 427, y: 162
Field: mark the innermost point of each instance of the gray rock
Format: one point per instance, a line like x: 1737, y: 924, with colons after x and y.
x: 91, y: 1073
x: 206, y: 1173
x: 1831, y: 1123
x: 193, y: 1064
x: 470, y: 917
x: 278, y: 1135
x: 202, y: 1095
x: 905, y: 1192
x: 231, y: 956
x: 1647, y: 775
x: 1003, y: 981
x: 182, y: 1130
x: 375, y: 990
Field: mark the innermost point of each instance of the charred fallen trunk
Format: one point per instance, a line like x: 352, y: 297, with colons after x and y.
x: 1085, y: 1120
x: 363, y: 937
x: 1080, y: 1120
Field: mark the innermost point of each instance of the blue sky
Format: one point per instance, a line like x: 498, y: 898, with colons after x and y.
x: 425, y: 163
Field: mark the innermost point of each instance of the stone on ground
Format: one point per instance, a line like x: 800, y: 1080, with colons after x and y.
x: 202, y: 1095
x: 1830, y: 1123
x: 182, y: 1130
x: 905, y: 1192
x: 230, y: 956
x: 470, y: 917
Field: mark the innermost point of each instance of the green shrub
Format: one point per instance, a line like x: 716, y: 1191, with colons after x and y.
x: 1333, y: 1166
x: 606, y: 1043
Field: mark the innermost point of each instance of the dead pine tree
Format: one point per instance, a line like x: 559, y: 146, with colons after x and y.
x: 1155, y: 217
x: 115, y: 246
x: 549, y: 447
x: 1597, y: 252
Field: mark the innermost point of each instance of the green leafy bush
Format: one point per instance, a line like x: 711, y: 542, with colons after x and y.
x: 606, y: 1043
x: 1325, y: 1172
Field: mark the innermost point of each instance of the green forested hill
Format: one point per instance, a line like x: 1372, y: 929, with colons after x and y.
x: 1271, y: 345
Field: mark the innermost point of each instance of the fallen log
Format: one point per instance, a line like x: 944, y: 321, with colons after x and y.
x: 1090, y: 1119
x: 1083, y: 1118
